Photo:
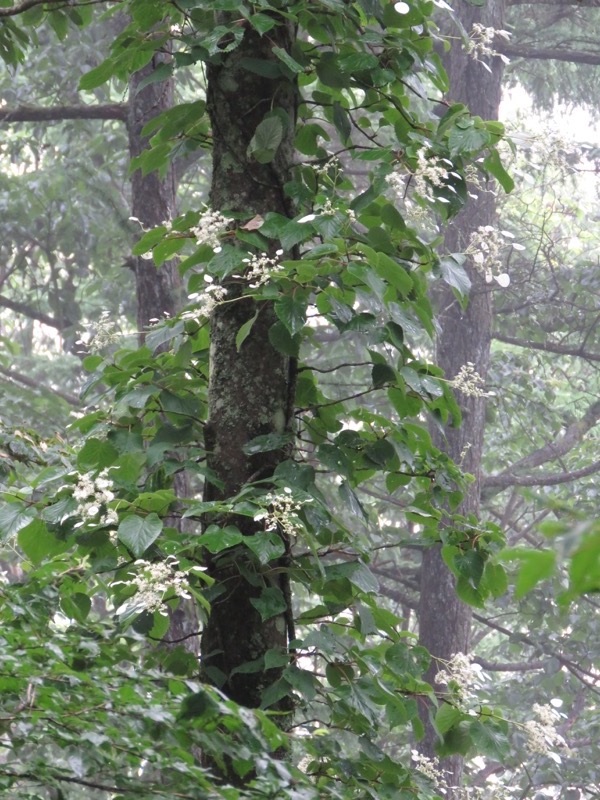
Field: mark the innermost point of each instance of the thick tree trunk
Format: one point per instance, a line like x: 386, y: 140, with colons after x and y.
x: 465, y: 336
x: 250, y: 391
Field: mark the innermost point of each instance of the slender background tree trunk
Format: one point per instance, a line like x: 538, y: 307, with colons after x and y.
x: 465, y: 336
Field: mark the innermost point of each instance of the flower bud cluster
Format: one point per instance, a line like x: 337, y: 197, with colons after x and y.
x: 261, y: 268
x: 485, y: 248
x: 281, y: 512
x: 470, y: 383
x: 460, y: 675
x: 206, y: 300
x: 481, y: 39
x: 154, y: 580
x: 100, y: 334
x: 542, y: 736
x: 211, y: 225
x: 94, y: 494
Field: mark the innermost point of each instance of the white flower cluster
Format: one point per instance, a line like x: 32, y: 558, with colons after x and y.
x: 94, y: 494
x: 155, y: 580
x: 430, y: 767
x: 332, y: 163
x: 485, y: 248
x: 100, y: 334
x: 282, y: 512
x: 430, y: 174
x: 470, y: 383
x: 207, y: 300
x: 541, y: 733
x: 481, y: 39
x: 261, y: 268
x: 460, y: 675
x: 211, y: 225
x: 329, y: 210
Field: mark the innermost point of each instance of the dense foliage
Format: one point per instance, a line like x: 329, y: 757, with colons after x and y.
x: 98, y: 697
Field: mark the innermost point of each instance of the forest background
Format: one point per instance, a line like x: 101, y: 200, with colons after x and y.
x: 357, y: 313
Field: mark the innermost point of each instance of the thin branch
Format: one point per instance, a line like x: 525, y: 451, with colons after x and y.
x: 544, y: 479
x: 547, y: 53
x: 116, y: 111
x: 549, y: 452
x: 520, y: 666
x: 32, y: 313
x: 25, y: 5
x: 549, y: 347
x: 589, y: 679
x: 32, y: 384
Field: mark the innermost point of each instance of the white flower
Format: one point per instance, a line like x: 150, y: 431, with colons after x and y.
x: 211, y: 225
x: 155, y: 580
x: 280, y: 512
x: 461, y: 675
x: 94, y: 494
x: 101, y: 334
x: 471, y: 384
x: 485, y: 248
x: 481, y: 39
x: 261, y: 268
x: 401, y: 8
x: 206, y: 301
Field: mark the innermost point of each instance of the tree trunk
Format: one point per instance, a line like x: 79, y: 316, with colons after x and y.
x: 153, y: 198
x: 158, y: 291
x: 251, y: 391
x: 465, y: 336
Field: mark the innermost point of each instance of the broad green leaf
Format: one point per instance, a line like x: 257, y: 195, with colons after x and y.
x: 13, y: 517
x: 266, y: 140
x: 535, y: 566
x: 216, y: 539
x: 494, y: 166
x: 270, y: 603
x: 138, y: 533
x: 291, y: 310
x: 38, y: 543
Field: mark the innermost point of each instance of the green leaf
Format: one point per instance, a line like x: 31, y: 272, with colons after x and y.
x: 454, y: 274
x: 490, y: 738
x: 266, y: 140
x: 270, y: 604
x: 138, y: 533
x: 447, y: 716
x: 393, y: 273
x: 267, y: 546
x: 267, y: 442
x: 96, y: 454
x: 244, y: 331
x: 287, y: 59
x: 97, y: 76
x: 13, y: 517
x: 536, y: 566
x: 291, y: 310
x: 216, y: 539
x: 38, y: 543
x: 494, y: 166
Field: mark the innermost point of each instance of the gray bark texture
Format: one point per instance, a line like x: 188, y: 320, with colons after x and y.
x: 251, y: 392
x: 153, y: 198
x: 465, y: 336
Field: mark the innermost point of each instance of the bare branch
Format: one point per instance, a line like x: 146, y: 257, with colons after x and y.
x: 25, y: 5
x: 520, y: 666
x: 116, y: 111
x: 543, y: 479
x: 33, y: 384
x: 32, y: 313
x: 549, y: 452
x: 547, y: 53
x: 549, y: 347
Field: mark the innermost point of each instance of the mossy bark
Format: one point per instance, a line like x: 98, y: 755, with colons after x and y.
x: 251, y: 390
